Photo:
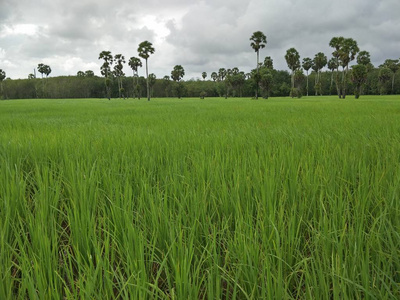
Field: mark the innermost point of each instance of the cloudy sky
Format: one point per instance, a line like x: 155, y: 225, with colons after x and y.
x: 199, y: 35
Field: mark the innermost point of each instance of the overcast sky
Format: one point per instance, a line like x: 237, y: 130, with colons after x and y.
x: 199, y: 35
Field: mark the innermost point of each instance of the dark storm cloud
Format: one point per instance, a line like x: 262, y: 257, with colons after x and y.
x: 200, y: 35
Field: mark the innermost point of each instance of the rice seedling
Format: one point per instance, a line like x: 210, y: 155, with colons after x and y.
x: 200, y: 199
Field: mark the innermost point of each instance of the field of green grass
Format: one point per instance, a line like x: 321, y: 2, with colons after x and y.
x: 200, y: 199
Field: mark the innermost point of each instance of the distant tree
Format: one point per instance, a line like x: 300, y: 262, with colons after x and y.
x: 336, y: 43
x: 80, y: 74
x: 266, y: 80
x: 214, y: 76
x: 307, y: 64
x: 292, y: 58
x: 241, y: 79
x: 332, y: 66
x: 268, y: 63
x: 204, y: 75
x: 31, y: 76
x: 177, y: 74
x: 89, y: 73
x: 258, y: 41
x: 358, y: 77
x: 393, y: 65
x: 363, y: 58
x: 298, y: 81
x: 384, y: 76
x: 167, y: 83
x: 2, y: 77
x: 319, y: 62
x: 234, y: 79
x: 221, y: 74
x: 105, y: 70
x: 135, y: 63
x: 145, y: 49
x: 345, y: 51
x: 44, y: 69
x: 119, y: 73
x: 152, y: 82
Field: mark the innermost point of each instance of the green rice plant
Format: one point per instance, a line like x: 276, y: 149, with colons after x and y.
x: 200, y: 199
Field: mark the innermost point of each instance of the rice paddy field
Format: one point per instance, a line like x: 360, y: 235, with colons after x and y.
x: 200, y: 199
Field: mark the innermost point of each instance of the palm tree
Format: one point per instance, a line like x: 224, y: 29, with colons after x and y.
x: 177, y: 74
x: 135, y: 63
x: 89, y: 73
x: 336, y: 43
x: 258, y: 41
x: 145, y: 49
x: 214, y: 76
x: 293, y: 61
x: 307, y: 64
x: 394, y: 66
x: 44, y: 69
x: 221, y: 74
x: 152, y: 82
x: 106, y: 70
x: 332, y: 66
x: 2, y: 77
x: 204, y: 75
x: 364, y: 58
x: 359, y: 78
x: 319, y: 62
x: 119, y: 73
x: 269, y: 63
x: 345, y: 51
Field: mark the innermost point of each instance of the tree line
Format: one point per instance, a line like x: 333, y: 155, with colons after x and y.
x: 263, y: 80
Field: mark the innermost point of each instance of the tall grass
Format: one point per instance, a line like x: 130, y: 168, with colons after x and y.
x: 200, y: 199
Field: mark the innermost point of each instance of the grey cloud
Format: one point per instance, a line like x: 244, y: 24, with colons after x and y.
x: 203, y: 35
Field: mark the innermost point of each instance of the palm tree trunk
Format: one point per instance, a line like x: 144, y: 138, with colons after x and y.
x: 316, y: 84
x: 147, y: 77
x: 307, y: 83
x: 393, y: 83
x: 345, y: 81
x: 257, y: 75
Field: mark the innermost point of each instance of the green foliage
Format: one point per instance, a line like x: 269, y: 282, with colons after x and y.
x: 268, y: 63
x: 385, y: 74
x: 359, y: 77
x: 177, y: 73
x: 258, y: 41
x: 266, y: 81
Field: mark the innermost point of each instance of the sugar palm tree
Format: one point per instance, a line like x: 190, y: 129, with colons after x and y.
x: 119, y: 73
x: 145, y: 49
x: 177, y: 74
x: 307, y: 64
x: 106, y: 70
x: 2, y: 77
x: 258, y: 41
x: 135, y: 63
x: 293, y: 61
